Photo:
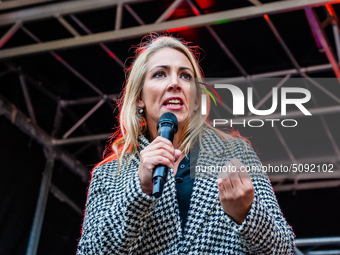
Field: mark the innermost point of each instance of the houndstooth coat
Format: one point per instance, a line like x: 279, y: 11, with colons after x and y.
x: 121, y: 219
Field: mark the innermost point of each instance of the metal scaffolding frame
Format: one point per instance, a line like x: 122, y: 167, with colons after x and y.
x: 54, y: 147
x: 313, y: 243
x: 120, y: 34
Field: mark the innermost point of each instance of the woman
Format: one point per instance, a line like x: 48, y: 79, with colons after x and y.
x: 237, y: 214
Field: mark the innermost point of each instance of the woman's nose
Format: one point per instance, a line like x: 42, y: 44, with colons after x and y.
x: 174, y: 84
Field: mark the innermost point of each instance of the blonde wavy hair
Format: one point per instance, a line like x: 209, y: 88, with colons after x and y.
x: 132, y: 124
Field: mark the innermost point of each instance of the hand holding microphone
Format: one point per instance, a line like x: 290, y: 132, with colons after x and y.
x: 167, y: 127
x: 159, y: 156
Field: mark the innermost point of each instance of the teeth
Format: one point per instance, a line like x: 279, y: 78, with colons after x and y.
x: 173, y: 105
x: 176, y: 101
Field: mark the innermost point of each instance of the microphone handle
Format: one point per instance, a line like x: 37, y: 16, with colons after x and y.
x: 161, y: 172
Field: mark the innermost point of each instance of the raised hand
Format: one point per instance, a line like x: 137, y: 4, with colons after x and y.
x: 236, y: 191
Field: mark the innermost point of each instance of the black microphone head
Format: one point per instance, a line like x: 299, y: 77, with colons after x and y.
x: 170, y: 118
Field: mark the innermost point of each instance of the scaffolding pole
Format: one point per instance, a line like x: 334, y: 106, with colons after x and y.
x: 33, y: 242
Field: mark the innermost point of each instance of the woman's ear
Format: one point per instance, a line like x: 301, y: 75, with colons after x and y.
x: 197, y: 104
x: 140, y: 103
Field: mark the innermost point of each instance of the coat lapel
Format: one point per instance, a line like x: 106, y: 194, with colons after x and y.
x: 204, y: 197
x: 167, y: 203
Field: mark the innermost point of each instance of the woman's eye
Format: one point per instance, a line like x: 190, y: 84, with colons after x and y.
x: 159, y: 74
x: 186, y: 76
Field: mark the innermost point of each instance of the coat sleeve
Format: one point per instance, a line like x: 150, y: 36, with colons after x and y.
x: 264, y: 231
x: 115, y: 213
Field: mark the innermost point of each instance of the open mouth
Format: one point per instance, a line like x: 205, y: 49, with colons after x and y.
x: 173, y: 102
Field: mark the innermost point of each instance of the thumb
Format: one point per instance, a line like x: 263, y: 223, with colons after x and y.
x: 178, y: 153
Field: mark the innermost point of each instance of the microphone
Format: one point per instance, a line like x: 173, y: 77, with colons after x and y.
x: 167, y: 127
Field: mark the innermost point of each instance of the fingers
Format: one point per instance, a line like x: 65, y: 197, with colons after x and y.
x: 233, y: 174
x: 236, y: 179
x: 161, y: 140
x: 236, y: 191
x: 178, y: 154
x: 224, y: 178
x: 158, y: 156
x: 242, y: 173
x: 159, y: 152
x: 224, y: 185
x: 161, y: 143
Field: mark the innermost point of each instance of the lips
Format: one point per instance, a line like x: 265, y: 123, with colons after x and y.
x: 173, y: 102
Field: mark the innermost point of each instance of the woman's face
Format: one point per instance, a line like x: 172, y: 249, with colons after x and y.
x: 167, y: 88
